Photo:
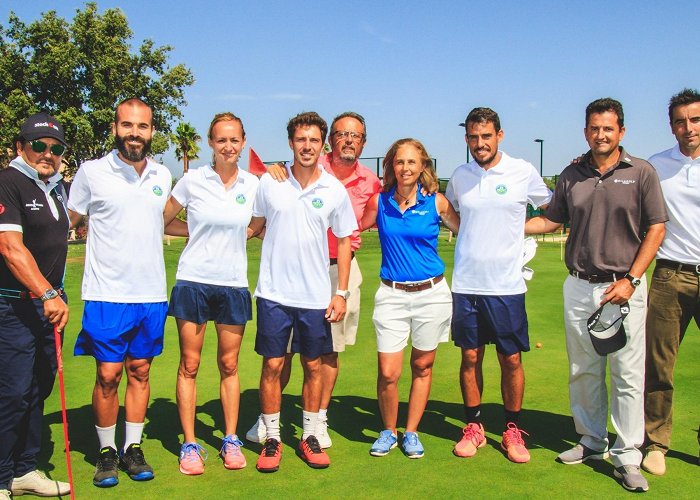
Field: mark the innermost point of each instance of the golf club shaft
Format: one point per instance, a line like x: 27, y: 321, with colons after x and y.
x: 62, y: 390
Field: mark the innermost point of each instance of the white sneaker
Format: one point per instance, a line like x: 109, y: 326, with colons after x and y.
x: 5, y: 495
x: 257, y: 433
x: 36, y: 483
x: 324, y: 440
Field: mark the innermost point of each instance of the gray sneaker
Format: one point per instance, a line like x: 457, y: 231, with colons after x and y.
x: 631, y: 478
x: 580, y: 453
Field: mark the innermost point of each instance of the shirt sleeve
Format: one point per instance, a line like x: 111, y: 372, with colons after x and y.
x: 558, y: 210
x: 653, y: 204
x: 181, y: 191
x: 10, y: 208
x: 538, y: 193
x: 79, y: 198
x: 343, y: 221
x: 260, y: 203
x: 450, y: 193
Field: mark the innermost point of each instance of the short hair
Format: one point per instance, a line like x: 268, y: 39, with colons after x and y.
x: 350, y: 114
x: 603, y: 105
x: 307, y: 119
x: 133, y: 101
x: 483, y: 115
x: 226, y: 116
x: 428, y: 178
x: 682, y: 98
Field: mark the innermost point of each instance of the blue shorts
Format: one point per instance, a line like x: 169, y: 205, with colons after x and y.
x: 201, y: 302
x: 276, y: 322
x: 112, y: 331
x: 478, y: 320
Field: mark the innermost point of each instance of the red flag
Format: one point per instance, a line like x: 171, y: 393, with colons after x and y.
x: 255, y: 164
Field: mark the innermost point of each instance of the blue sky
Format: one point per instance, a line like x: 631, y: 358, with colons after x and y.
x: 415, y: 68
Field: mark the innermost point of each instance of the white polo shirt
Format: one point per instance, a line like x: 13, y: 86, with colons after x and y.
x: 680, y: 183
x: 492, y: 205
x: 294, y: 261
x: 217, y: 219
x: 124, y: 255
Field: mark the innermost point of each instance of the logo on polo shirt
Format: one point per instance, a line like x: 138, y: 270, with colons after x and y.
x: 240, y: 199
x: 2, y: 209
x: 157, y: 191
x: 34, y: 205
x: 624, y: 181
x: 317, y: 203
x: 501, y: 189
x: 419, y: 212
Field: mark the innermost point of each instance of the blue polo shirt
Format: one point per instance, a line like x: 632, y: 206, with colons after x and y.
x: 409, y: 239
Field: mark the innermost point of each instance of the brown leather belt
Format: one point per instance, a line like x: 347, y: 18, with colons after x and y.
x: 414, y: 287
x: 679, y: 266
x: 597, y: 278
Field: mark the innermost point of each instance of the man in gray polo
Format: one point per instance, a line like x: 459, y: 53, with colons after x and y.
x: 675, y: 287
x: 614, y: 204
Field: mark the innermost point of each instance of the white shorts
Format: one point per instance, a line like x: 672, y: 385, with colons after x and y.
x: 424, y: 316
x: 345, y: 332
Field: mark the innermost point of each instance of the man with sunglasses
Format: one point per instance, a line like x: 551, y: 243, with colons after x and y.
x: 33, y: 244
x: 347, y: 140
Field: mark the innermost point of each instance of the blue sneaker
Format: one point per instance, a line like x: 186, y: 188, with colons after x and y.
x: 412, y: 447
x: 134, y: 463
x: 386, y: 441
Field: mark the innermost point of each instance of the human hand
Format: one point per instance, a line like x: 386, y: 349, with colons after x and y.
x: 618, y: 292
x: 336, y: 309
x: 56, y: 311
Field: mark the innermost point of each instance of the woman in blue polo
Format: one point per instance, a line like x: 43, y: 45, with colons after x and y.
x: 212, y: 282
x: 413, y: 298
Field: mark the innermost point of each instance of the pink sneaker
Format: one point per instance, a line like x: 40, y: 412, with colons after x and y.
x: 473, y: 438
x: 231, y: 452
x: 192, y: 457
x: 514, y: 445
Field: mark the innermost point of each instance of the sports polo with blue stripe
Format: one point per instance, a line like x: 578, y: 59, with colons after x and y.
x: 409, y: 239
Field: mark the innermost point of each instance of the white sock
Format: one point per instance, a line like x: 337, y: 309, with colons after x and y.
x: 272, y: 422
x: 106, y: 436
x: 132, y: 433
x: 309, y: 423
x: 323, y: 414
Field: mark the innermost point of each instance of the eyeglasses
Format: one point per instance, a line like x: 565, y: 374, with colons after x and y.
x: 344, y: 134
x: 40, y: 147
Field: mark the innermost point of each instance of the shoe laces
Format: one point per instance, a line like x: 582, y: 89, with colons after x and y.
x: 386, y: 436
x: 107, y: 457
x: 472, y: 432
x: 192, y: 452
x: 231, y: 444
x: 135, y: 455
x: 313, y: 445
x: 412, y: 438
x: 513, y: 435
x: 271, y: 447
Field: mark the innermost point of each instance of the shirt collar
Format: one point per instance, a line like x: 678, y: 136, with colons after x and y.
x: 21, y: 165
x: 590, y: 167
x: 120, y: 164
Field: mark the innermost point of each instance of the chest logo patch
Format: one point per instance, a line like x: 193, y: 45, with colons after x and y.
x: 157, y: 190
x: 34, y: 205
x: 317, y: 203
x: 501, y: 189
x: 624, y: 181
x: 240, y: 199
x: 2, y: 209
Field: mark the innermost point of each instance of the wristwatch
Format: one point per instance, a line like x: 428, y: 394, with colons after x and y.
x: 635, y: 281
x: 343, y: 293
x: 49, y: 294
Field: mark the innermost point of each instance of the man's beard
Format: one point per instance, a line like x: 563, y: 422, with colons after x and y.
x: 132, y: 153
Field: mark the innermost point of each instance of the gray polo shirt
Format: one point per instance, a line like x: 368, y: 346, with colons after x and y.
x: 609, y: 214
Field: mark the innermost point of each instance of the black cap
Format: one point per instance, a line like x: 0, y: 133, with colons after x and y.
x: 42, y: 125
x: 606, y: 329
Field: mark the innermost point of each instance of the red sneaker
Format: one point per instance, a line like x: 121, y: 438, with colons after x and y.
x: 312, y: 453
x: 270, y: 457
x: 473, y: 438
x: 514, y: 445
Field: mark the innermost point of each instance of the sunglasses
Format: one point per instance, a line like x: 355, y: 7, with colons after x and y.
x: 40, y: 147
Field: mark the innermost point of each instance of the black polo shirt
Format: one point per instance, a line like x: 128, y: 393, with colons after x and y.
x: 609, y: 214
x: 24, y: 206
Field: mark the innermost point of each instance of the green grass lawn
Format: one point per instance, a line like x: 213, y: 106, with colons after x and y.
x: 354, y: 420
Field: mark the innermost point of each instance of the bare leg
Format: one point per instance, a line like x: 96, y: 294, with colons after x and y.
x: 311, y: 390
x: 138, y: 389
x: 330, y: 366
x: 105, y: 398
x: 471, y: 378
x: 389, y: 372
x: 512, y: 381
x: 230, y: 338
x: 270, y: 388
x: 191, y: 339
x: 422, y: 373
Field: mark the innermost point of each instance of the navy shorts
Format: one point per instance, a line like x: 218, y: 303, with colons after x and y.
x: 112, y: 330
x: 276, y: 322
x: 478, y: 320
x: 200, y: 302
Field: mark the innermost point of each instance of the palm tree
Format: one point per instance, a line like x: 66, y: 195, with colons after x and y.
x: 186, y: 141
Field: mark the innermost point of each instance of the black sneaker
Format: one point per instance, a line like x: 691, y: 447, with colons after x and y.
x: 134, y: 463
x: 107, y: 468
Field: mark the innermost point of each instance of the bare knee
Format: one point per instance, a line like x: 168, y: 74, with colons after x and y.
x: 511, y: 362
x: 189, y: 366
x: 228, y: 365
x: 138, y: 371
x: 108, y: 379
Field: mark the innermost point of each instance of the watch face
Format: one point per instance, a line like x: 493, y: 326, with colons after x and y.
x: 49, y: 294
